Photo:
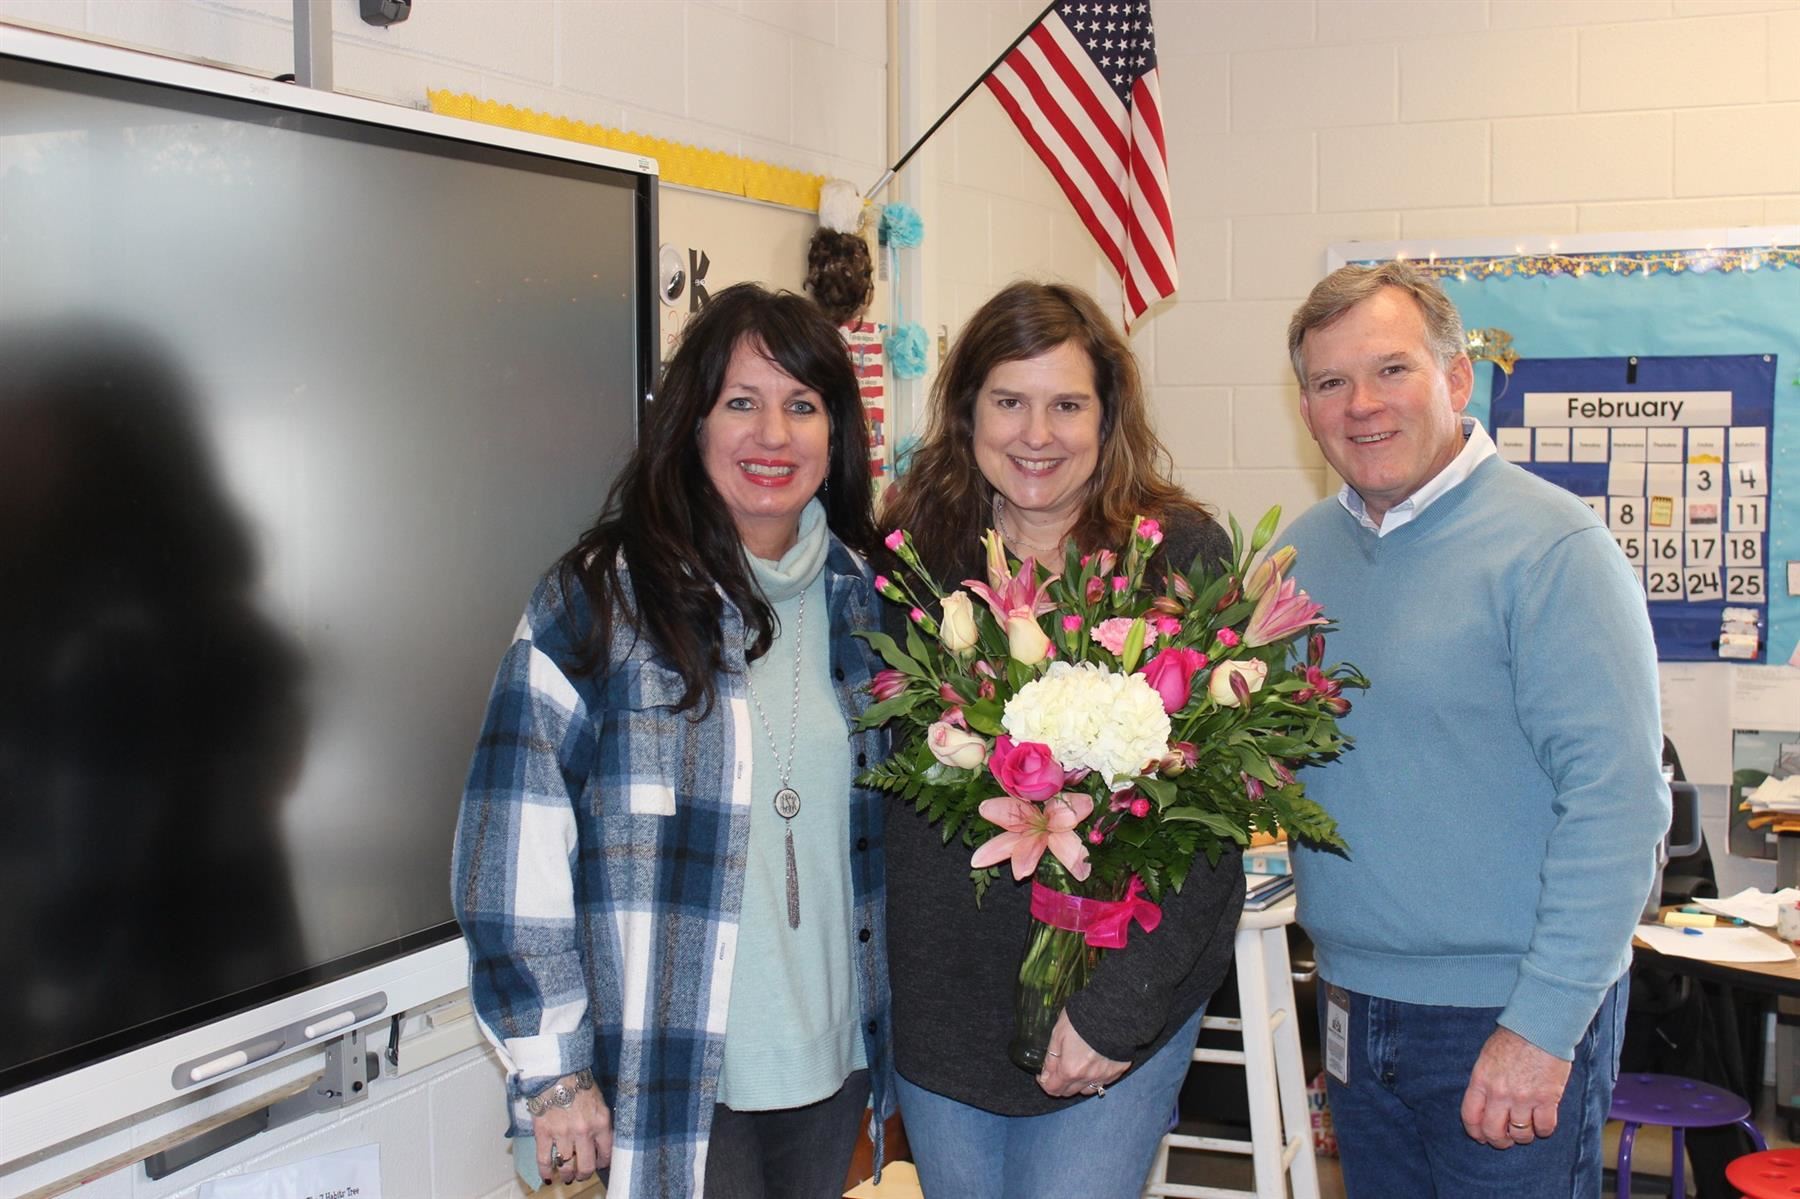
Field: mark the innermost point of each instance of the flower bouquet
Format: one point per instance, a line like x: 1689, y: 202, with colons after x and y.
x: 1097, y: 737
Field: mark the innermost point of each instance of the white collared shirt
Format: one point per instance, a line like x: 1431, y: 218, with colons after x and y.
x: 1477, y: 447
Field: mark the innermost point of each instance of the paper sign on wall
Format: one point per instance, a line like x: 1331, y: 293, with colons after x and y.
x: 348, y: 1174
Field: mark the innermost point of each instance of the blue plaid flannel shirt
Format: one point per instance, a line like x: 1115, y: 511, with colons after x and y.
x: 599, y: 871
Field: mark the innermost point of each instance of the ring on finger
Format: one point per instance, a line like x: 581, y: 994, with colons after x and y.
x: 1514, y: 1124
x: 556, y: 1157
x: 1098, y: 1089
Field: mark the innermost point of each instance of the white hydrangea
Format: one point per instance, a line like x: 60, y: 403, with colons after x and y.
x: 1112, y: 724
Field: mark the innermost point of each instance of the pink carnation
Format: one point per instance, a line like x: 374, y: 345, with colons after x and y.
x: 1227, y: 638
x: 1112, y: 633
x: 894, y: 540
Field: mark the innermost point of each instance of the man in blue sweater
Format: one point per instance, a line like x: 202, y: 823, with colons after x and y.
x: 1503, y: 800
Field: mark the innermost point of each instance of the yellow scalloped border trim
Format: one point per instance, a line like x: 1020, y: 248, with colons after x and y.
x: 689, y: 166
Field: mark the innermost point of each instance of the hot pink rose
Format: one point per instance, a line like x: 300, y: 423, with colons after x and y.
x: 1171, y: 673
x: 1025, y: 769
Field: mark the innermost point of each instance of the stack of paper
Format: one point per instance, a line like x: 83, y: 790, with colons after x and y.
x: 1753, y: 904
x: 1775, y: 804
x: 1776, y: 795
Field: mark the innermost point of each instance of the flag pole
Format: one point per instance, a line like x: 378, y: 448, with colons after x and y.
x: 887, y: 175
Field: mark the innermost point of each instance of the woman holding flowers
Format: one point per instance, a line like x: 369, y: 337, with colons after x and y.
x: 1039, y: 430
x: 673, y: 902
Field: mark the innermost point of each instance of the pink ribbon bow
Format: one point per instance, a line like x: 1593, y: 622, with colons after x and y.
x: 1103, y: 922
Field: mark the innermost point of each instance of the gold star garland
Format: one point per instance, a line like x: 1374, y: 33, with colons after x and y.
x: 1620, y: 264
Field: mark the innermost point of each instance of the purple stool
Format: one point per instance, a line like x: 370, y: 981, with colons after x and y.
x: 1679, y: 1104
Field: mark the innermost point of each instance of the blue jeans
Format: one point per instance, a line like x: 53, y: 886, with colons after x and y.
x: 1100, y: 1148
x: 1399, y: 1119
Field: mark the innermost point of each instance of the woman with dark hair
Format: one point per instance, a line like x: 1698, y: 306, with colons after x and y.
x: 673, y: 902
x: 1039, y: 428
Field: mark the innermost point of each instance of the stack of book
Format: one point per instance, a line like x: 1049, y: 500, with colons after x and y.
x: 1267, y: 878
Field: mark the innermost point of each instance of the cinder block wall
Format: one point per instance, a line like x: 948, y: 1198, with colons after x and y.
x: 1294, y: 124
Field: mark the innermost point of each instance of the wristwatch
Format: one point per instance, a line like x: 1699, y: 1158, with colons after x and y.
x: 560, y: 1093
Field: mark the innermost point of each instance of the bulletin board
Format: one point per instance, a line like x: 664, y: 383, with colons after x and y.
x: 1658, y: 378
x: 1671, y: 452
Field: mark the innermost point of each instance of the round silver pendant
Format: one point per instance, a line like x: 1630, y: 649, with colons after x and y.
x: 787, y: 803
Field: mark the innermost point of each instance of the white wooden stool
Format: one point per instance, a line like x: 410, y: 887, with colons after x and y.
x: 1280, y: 1127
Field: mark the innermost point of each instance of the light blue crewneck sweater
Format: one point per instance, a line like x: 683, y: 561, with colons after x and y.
x: 791, y: 1032
x: 1504, y: 797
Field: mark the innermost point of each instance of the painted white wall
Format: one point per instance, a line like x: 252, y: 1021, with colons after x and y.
x: 800, y: 83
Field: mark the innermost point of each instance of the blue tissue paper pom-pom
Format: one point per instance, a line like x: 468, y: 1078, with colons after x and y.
x: 901, y: 226
x: 906, y: 351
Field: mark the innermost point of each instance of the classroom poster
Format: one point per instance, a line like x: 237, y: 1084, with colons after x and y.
x: 1672, y: 454
x: 1686, y: 327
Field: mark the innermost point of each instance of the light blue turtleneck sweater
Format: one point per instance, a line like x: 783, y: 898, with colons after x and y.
x: 791, y: 1035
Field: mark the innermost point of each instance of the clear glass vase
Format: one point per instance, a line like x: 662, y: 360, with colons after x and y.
x: 1057, y: 963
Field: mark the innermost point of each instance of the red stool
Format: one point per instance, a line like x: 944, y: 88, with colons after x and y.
x: 1771, y: 1174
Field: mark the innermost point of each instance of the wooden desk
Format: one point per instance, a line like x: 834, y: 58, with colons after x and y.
x: 1776, y: 978
x: 1780, y: 981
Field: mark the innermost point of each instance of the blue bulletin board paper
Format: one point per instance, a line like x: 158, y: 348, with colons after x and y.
x: 1667, y: 315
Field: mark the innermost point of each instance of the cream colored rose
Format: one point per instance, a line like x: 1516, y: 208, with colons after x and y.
x: 956, y: 747
x: 1252, y: 671
x: 1025, y: 641
x: 958, y: 632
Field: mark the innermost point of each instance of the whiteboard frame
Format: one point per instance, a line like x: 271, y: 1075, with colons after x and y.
x: 99, y: 1099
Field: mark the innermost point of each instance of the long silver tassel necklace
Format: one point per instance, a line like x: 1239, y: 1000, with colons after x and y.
x: 787, y: 800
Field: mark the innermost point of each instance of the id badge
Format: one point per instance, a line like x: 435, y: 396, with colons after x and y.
x: 1337, y: 1034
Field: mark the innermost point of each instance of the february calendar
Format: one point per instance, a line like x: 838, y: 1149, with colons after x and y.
x: 1673, y: 454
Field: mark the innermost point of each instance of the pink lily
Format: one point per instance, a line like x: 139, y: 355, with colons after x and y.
x: 1268, y: 572
x: 1011, y: 594
x: 1031, y: 829
x: 1280, y: 613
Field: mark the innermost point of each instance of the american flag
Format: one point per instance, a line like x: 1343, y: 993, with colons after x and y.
x: 1082, y: 87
